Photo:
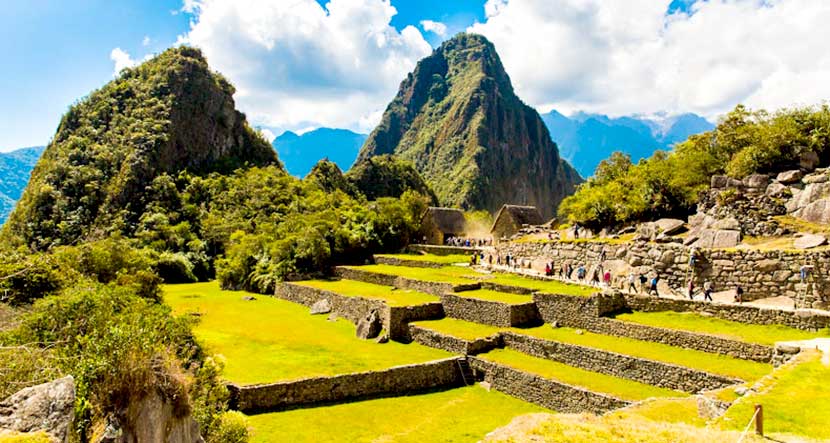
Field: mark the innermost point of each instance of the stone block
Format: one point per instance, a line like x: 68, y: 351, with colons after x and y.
x: 789, y: 177
x: 809, y: 241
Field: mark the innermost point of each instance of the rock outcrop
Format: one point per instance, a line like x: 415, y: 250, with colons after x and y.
x: 476, y: 144
x: 48, y: 407
x: 153, y: 419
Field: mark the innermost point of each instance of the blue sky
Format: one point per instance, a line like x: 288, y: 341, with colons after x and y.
x: 616, y: 57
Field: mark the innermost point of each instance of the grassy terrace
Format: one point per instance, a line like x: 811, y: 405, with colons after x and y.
x: 270, y: 340
x: 503, y: 297
x: 704, y: 361
x: 687, y: 321
x: 458, y: 415
x: 592, y: 381
x: 463, y: 275
x: 796, y: 400
x: 352, y: 288
x: 432, y: 258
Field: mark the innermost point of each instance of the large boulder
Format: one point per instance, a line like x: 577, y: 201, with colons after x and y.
x: 717, y: 238
x: 789, y: 177
x: 718, y: 181
x: 809, y: 194
x: 818, y: 177
x: 669, y: 226
x: 729, y: 223
x: 816, y: 212
x: 808, y: 161
x: 369, y: 326
x: 809, y: 241
x: 321, y: 306
x: 756, y: 181
x: 48, y: 407
x: 152, y: 419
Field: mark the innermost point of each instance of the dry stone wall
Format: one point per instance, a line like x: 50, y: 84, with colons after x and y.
x: 543, y: 392
x: 638, y: 369
x: 760, y: 273
x: 442, y: 250
x: 414, y: 263
x: 487, y: 312
x: 452, y: 344
x: 400, y: 380
x: 433, y: 288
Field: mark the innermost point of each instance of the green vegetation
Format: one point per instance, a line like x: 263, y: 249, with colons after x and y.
x: 668, y: 184
x: 432, y: 258
x: 689, y: 321
x: 386, y: 176
x: 592, y: 381
x: 462, y: 329
x: 457, y: 415
x: 392, y: 296
x: 268, y: 339
x: 502, y: 297
x: 28, y: 437
x: 796, y: 400
x: 714, y: 363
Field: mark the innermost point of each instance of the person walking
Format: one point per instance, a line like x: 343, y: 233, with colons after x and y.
x: 606, y: 279
x: 632, y: 288
x: 547, y: 269
x: 707, y: 290
x: 580, y: 273
x: 739, y: 294
x: 691, y: 289
x: 643, y: 281
x: 653, y: 287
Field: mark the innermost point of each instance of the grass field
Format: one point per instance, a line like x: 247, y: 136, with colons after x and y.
x: 432, y: 258
x: 796, y: 400
x: 458, y: 415
x: 269, y: 339
x: 459, y: 328
x: 352, y: 288
x: 503, y: 297
x: 689, y: 321
x: 592, y: 381
x: 714, y: 363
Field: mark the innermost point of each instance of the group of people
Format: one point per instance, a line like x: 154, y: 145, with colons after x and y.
x: 566, y: 272
x: 468, y: 242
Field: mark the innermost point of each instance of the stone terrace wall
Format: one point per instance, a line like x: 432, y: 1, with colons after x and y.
x: 442, y: 250
x: 433, y: 288
x: 452, y: 344
x: 395, y: 318
x: 760, y: 273
x: 399, y: 380
x: 638, y: 369
x: 414, y: 263
x: 572, y: 310
x: 547, y: 393
x: 487, y: 312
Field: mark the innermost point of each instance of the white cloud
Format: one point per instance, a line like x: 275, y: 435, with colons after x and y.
x: 145, y: 41
x: 623, y: 57
x: 296, y: 64
x: 438, y: 28
x: 121, y: 59
x: 270, y: 136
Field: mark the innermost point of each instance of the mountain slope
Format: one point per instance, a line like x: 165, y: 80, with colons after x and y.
x: 167, y: 115
x: 300, y: 153
x: 15, y: 169
x: 584, y: 139
x: 476, y: 144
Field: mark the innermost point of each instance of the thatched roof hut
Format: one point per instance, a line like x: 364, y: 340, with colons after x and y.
x: 511, y: 218
x: 438, y: 224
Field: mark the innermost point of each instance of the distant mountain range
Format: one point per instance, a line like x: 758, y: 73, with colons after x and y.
x: 586, y: 139
x: 15, y: 168
x: 300, y: 153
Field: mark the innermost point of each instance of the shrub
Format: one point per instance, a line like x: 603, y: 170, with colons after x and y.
x: 175, y: 267
x: 232, y: 427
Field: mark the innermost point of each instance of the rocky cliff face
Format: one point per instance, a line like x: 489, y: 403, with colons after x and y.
x: 478, y: 146
x: 167, y: 115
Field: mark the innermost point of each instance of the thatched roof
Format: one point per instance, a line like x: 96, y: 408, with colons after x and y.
x: 447, y: 220
x: 521, y: 215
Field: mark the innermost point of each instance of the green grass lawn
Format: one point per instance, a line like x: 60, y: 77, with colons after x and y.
x: 692, y: 322
x: 457, y: 415
x: 270, y: 340
x: 548, y: 286
x: 462, y: 329
x: 352, y: 288
x: 592, y: 381
x: 490, y: 295
x: 705, y: 361
x: 796, y: 400
x: 432, y: 258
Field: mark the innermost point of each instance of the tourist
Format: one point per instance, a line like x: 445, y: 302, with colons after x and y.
x: 602, y: 255
x: 707, y: 290
x: 498, y: 260
x: 606, y: 278
x: 580, y: 273
x: 631, y: 286
x: 507, y: 259
x: 653, y: 288
x: 576, y: 232
x: 805, y: 272
x: 473, y: 259
x: 739, y: 294
x: 643, y: 281
x: 570, y: 271
x: 691, y: 289
x: 547, y: 269
x: 490, y: 259
x: 692, y: 257
x: 595, y: 276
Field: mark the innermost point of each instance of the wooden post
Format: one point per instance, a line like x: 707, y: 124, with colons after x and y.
x: 759, y: 420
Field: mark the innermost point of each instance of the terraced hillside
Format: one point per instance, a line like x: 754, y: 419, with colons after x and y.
x: 463, y: 351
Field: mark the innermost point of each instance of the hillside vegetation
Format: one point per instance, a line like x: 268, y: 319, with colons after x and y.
x: 668, y: 183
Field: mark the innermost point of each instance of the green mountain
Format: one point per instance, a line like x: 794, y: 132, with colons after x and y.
x: 15, y: 169
x: 478, y: 146
x: 168, y: 115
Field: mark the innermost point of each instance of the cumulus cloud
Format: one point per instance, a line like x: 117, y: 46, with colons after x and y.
x: 437, y: 28
x: 634, y: 57
x: 122, y: 60
x: 268, y: 134
x: 145, y: 41
x: 296, y: 64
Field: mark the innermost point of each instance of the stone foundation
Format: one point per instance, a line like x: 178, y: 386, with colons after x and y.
x: 400, y: 380
x: 543, y: 392
x: 641, y: 370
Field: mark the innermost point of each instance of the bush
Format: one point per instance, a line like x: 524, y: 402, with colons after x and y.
x: 232, y: 427
x: 175, y: 268
x: 25, y: 278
